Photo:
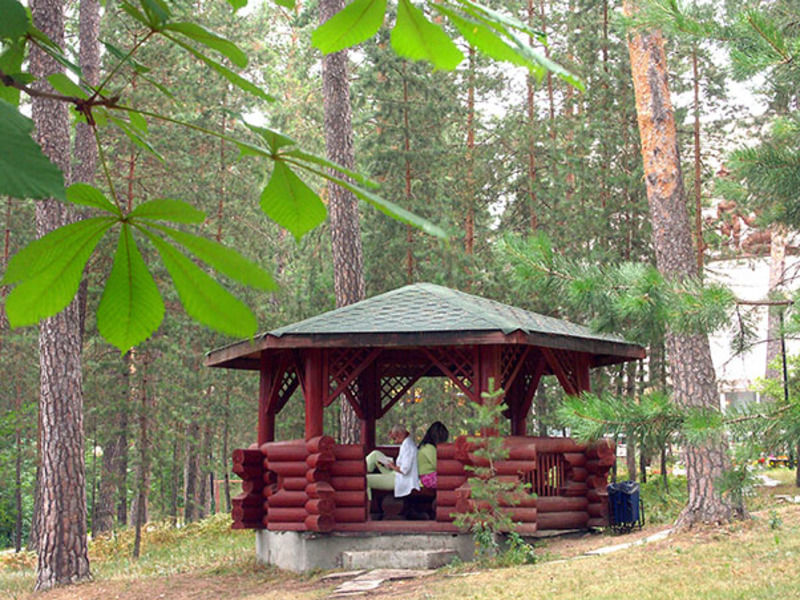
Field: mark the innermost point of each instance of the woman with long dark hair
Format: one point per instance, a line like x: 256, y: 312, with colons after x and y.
x: 426, y: 456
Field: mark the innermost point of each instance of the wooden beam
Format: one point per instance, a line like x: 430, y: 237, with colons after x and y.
x: 530, y: 391
x: 341, y: 386
x: 518, y: 367
x: 472, y: 394
x: 560, y: 371
x: 369, y: 386
x: 414, y: 378
x: 313, y: 391
x: 266, y: 413
x: 612, y: 351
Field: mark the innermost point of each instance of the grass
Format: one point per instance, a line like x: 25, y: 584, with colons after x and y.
x: 209, y: 546
x: 746, y: 560
x: 754, y: 559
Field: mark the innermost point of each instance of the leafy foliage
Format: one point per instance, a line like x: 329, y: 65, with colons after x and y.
x: 24, y: 171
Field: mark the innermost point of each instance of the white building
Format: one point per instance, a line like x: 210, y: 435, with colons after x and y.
x: 748, y: 278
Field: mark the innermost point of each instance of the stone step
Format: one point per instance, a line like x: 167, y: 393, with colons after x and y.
x: 397, y: 559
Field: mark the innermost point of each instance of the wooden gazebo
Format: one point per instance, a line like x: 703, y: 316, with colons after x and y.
x: 372, y: 353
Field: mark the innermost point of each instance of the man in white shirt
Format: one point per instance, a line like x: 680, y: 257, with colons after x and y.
x: 401, y: 475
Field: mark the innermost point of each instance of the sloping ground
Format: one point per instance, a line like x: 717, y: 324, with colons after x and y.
x: 751, y: 560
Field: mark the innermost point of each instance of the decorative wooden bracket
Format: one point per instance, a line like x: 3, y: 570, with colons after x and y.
x: 342, y: 366
x: 284, y: 383
x: 394, y: 387
x: 570, y: 368
x: 532, y: 383
x: 460, y: 366
x: 512, y: 359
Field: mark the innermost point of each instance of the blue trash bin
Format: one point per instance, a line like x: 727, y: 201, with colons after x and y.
x: 623, y: 505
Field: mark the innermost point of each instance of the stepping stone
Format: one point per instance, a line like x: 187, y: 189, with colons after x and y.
x: 342, y: 575
x: 397, y: 559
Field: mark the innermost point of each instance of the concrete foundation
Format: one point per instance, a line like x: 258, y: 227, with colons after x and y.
x: 304, y: 551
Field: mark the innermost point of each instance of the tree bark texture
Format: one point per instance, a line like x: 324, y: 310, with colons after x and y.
x: 533, y: 218
x: 112, y: 491
x: 63, y: 555
x: 689, y: 355
x: 698, y: 198
x: 143, y: 472
x: 777, y: 265
x: 191, y: 473
x: 83, y: 168
x: 348, y: 264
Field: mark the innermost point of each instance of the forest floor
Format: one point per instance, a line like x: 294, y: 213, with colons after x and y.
x: 750, y: 559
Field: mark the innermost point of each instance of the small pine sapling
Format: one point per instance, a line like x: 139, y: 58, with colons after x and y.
x: 490, y: 494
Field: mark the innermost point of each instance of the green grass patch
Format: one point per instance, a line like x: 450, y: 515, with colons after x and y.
x: 748, y: 560
x: 208, y: 546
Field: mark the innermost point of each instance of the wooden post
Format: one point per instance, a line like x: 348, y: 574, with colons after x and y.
x: 583, y: 380
x: 489, y: 368
x: 266, y: 413
x: 369, y: 386
x: 515, y: 398
x: 312, y: 391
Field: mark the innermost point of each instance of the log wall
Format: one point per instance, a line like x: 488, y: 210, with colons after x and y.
x: 312, y: 485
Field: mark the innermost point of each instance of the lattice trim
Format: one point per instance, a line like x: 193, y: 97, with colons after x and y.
x: 564, y: 367
x: 511, y: 361
x: 394, y: 387
x: 343, y: 366
x: 289, y: 384
x: 459, y: 365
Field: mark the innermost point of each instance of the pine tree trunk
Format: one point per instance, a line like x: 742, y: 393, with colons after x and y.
x: 630, y: 440
x: 469, y: 195
x: 533, y: 218
x: 143, y: 472
x: 122, y: 468
x: 348, y: 264
x: 175, y: 481
x: 225, y: 436
x: 698, y: 199
x: 689, y: 355
x: 190, y: 473
x: 113, y: 474
x: 407, y: 148
x: 777, y: 265
x: 89, y: 56
x: 63, y: 553
x: 18, y: 471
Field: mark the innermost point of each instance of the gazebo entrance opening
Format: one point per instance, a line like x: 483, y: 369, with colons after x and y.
x: 371, y: 354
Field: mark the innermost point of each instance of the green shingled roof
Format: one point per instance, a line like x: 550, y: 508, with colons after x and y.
x: 425, y: 307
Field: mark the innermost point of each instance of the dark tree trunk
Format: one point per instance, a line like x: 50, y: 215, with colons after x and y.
x: 689, y: 355
x: 121, y: 461
x: 112, y: 489
x: 191, y: 510
x: 348, y: 266
x: 407, y: 148
x: 469, y: 195
x: 143, y: 472
x: 89, y: 56
x: 18, y: 472
x: 63, y: 553
x: 225, y: 436
x: 175, y: 481
x: 777, y: 265
x: 630, y: 440
x: 698, y: 199
x: 533, y: 218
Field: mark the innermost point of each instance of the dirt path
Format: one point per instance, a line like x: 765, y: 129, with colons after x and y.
x: 258, y: 583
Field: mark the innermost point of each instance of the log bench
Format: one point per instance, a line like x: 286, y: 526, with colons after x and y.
x: 418, y: 505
